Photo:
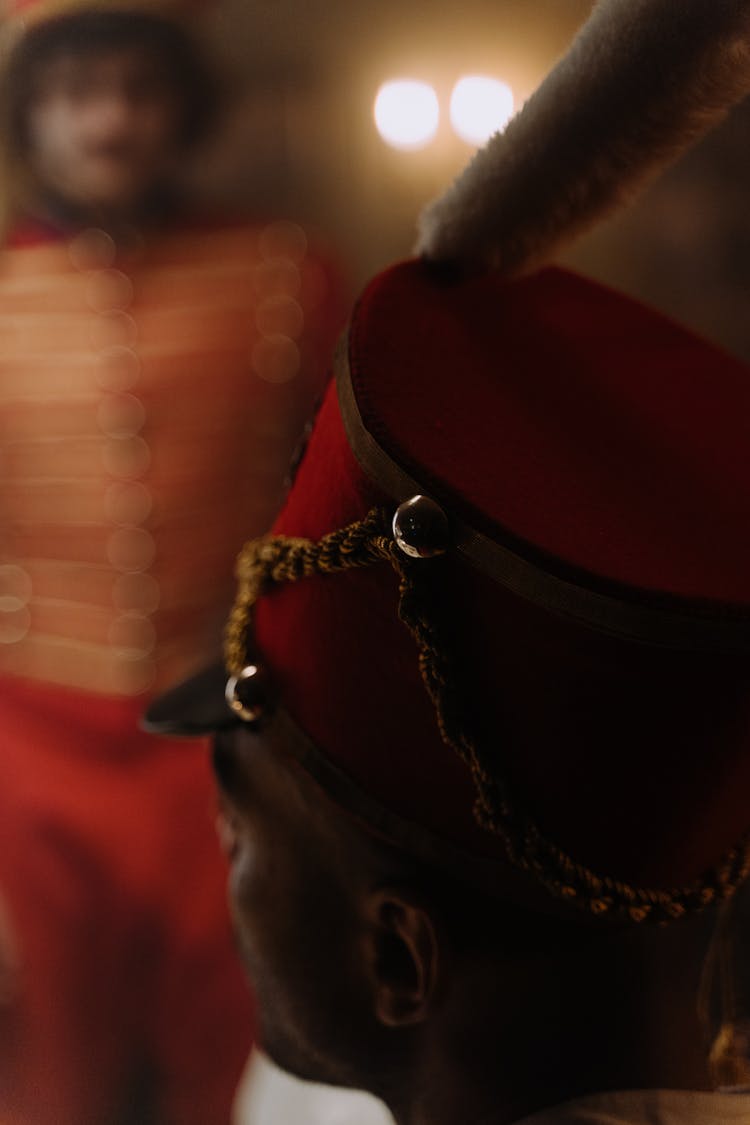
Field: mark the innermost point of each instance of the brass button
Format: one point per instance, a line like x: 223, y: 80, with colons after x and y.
x: 420, y: 528
x: 92, y: 249
x: 280, y: 315
x: 136, y: 593
x: 118, y: 368
x: 113, y: 330
x: 121, y: 415
x: 131, y: 549
x: 127, y: 503
x: 247, y: 694
x: 278, y: 277
x: 109, y: 291
x: 126, y: 458
x: 276, y: 359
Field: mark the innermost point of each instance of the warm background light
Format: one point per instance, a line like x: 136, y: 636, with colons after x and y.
x: 299, y: 140
x: 406, y: 113
x: 480, y: 106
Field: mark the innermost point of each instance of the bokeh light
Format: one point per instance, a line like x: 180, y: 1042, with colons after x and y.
x: 407, y: 113
x: 480, y: 106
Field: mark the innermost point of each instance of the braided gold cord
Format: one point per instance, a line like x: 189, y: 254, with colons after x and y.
x: 273, y: 560
x: 269, y: 561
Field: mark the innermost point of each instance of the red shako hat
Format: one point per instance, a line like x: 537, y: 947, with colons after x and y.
x: 569, y: 680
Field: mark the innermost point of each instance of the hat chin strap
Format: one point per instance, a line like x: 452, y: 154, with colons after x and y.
x: 272, y: 560
x: 643, y: 80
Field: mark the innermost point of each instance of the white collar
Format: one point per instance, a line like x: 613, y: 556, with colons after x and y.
x: 649, y: 1107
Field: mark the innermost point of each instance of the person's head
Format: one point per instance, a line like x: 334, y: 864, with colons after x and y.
x: 100, y: 106
x: 377, y: 968
x: 547, y: 724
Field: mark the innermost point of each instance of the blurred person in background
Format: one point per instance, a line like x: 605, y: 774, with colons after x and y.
x: 156, y: 372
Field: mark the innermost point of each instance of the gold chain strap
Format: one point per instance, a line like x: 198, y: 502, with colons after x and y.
x: 273, y: 560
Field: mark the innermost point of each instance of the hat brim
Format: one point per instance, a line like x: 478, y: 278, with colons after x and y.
x: 194, y: 708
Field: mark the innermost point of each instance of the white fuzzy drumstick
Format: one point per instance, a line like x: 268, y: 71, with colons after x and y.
x: 642, y: 81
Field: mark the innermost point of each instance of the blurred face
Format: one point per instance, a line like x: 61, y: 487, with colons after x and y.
x: 293, y: 870
x: 103, y: 129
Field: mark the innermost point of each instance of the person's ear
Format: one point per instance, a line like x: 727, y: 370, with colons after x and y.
x: 403, y: 957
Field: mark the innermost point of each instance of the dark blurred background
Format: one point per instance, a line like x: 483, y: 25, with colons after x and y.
x: 300, y: 139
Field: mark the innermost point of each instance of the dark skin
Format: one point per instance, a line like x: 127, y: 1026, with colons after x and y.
x: 368, y: 977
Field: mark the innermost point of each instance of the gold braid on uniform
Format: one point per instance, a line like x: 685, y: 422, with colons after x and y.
x: 276, y: 559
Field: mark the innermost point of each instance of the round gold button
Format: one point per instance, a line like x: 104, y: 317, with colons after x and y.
x: 131, y: 549
x: 121, y: 415
x: 136, y: 593
x: 118, y: 368
x: 127, y: 503
x: 113, y: 330
x: 109, y: 291
x: 127, y: 458
x: 278, y: 277
x: 420, y: 528
x: 280, y: 315
x: 276, y: 359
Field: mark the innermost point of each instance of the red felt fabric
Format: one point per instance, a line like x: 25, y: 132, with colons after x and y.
x: 637, y: 760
